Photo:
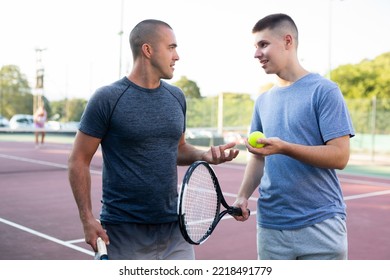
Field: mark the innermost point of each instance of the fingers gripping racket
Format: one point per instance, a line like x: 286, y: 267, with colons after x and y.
x: 102, y: 249
x: 200, y: 200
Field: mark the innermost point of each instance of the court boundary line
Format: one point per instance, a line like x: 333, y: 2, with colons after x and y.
x: 47, y: 237
x: 42, y: 162
x: 364, y: 195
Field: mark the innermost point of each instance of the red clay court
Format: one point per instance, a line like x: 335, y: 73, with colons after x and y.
x: 39, y: 218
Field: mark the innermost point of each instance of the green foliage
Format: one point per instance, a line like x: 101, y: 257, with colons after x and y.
x: 202, y: 112
x: 190, y: 88
x: 370, y: 115
x: 367, y: 79
x: 69, y: 109
x: 366, y: 87
x: 16, y: 98
x: 75, y: 109
x: 59, y: 109
x: 15, y: 93
x: 237, y: 111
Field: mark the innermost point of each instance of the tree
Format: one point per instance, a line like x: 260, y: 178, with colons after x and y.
x: 366, y: 86
x: 69, y: 109
x: 190, y: 88
x: 15, y: 93
x: 75, y: 109
x: 237, y: 111
x: 366, y: 79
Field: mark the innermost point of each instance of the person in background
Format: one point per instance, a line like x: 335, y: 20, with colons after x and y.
x: 301, y: 212
x: 40, y: 117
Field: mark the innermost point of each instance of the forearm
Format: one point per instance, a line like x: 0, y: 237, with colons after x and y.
x: 187, y: 154
x: 323, y: 156
x: 252, y: 177
x: 80, y: 182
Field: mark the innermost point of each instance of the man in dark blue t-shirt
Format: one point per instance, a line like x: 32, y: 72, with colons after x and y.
x: 139, y: 121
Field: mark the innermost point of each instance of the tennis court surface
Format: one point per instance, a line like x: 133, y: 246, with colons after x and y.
x: 39, y: 219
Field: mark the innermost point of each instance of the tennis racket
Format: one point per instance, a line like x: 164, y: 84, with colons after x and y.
x: 199, y: 206
x: 102, y: 249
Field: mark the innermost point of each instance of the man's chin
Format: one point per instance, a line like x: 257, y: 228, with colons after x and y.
x: 167, y: 77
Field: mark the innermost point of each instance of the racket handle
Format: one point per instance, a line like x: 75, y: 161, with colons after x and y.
x: 236, y: 211
x: 102, y: 249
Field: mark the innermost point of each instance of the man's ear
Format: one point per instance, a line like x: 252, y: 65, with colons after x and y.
x: 147, y: 50
x: 288, y: 39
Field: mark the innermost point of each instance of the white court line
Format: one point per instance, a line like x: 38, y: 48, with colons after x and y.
x: 363, y: 182
x: 80, y: 240
x: 47, y: 237
x: 364, y: 195
x: 41, y: 162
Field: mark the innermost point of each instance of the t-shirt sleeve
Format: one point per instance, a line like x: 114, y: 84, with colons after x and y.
x: 334, y: 118
x: 96, y: 116
x: 256, y: 120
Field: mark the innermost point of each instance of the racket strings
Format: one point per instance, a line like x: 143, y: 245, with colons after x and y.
x: 201, y: 203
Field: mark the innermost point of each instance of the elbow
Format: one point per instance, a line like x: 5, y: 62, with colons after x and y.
x: 341, y: 166
x: 342, y: 162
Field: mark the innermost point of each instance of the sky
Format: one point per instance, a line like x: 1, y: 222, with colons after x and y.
x: 82, y: 48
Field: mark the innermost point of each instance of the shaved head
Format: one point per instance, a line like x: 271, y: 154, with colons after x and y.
x: 146, y: 31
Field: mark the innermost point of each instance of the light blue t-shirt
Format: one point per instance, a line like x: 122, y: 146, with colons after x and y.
x: 309, y: 112
x: 140, y: 131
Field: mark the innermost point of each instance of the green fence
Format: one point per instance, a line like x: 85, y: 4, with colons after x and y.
x: 371, y: 120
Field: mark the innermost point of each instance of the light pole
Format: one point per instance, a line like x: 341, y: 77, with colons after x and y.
x: 38, y: 100
x: 120, y: 41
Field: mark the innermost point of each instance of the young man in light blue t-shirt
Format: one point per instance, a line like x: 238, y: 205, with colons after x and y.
x: 301, y: 212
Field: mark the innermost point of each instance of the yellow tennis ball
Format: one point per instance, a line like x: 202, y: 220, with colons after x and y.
x: 252, y: 139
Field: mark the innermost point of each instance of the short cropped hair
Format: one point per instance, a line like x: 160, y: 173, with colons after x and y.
x: 277, y: 21
x: 146, y: 31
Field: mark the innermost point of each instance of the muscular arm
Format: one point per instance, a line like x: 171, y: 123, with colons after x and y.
x: 79, y: 175
x: 187, y: 153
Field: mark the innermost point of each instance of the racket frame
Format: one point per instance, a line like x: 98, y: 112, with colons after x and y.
x: 234, y: 211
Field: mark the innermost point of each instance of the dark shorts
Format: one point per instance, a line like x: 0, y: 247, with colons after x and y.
x: 147, y: 242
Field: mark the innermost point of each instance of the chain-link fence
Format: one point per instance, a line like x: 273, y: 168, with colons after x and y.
x: 371, y: 120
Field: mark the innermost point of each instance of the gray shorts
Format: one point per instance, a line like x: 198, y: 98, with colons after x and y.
x: 147, y: 242
x: 323, y: 241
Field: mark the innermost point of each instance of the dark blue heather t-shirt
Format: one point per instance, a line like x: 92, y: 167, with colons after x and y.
x: 140, y: 131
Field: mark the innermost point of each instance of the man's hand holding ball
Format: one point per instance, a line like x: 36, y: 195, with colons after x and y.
x: 253, y: 137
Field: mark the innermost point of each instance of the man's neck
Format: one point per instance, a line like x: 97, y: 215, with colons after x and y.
x: 291, y: 77
x: 141, y: 76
